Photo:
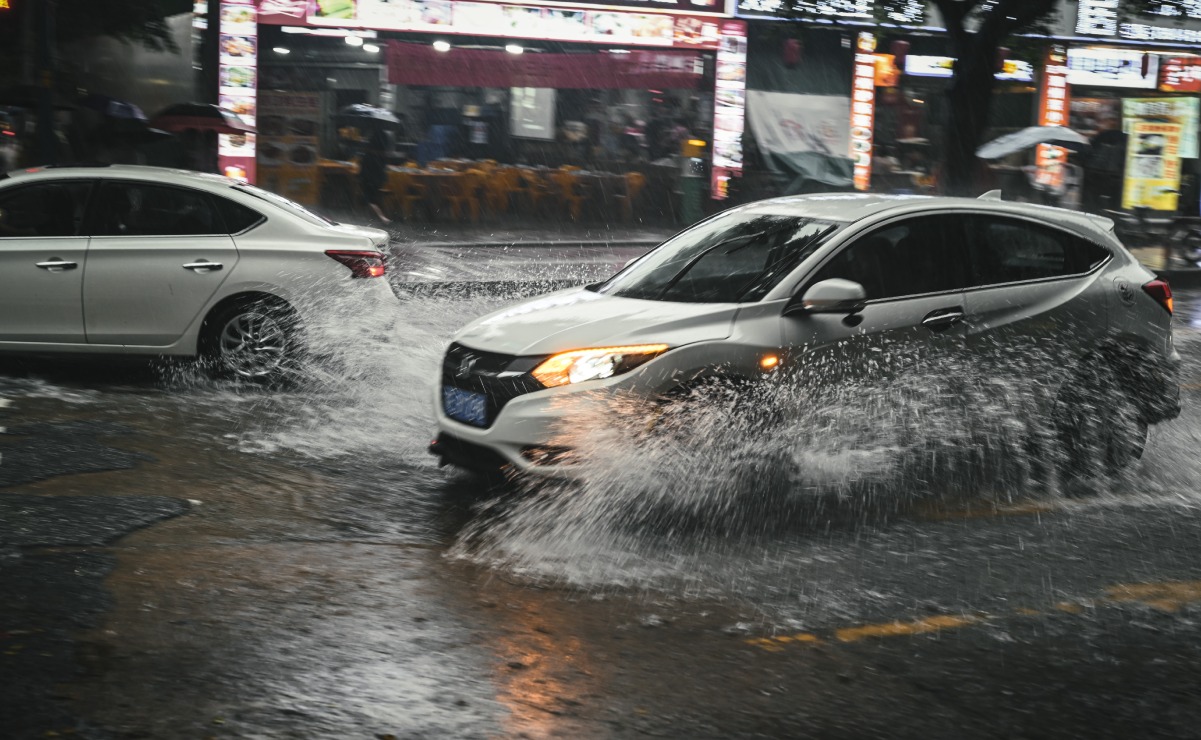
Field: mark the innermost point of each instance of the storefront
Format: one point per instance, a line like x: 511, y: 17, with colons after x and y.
x: 608, y: 87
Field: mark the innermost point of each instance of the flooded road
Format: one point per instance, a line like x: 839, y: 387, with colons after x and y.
x: 322, y: 577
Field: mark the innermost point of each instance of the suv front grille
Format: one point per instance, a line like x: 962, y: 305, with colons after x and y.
x: 479, y: 371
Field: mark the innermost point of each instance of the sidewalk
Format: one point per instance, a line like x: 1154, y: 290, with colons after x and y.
x: 1176, y: 274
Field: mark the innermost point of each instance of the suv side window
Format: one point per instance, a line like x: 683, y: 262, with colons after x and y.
x: 913, y: 257
x: 1009, y: 251
x: 44, y: 209
x: 139, y: 209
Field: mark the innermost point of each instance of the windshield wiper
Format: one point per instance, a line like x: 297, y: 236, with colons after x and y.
x: 692, y: 262
x: 799, y: 252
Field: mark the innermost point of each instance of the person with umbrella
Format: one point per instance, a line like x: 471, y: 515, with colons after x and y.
x: 373, y: 172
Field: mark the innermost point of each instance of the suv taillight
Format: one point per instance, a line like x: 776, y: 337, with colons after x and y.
x: 361, y: 264
x: 1161, y: 292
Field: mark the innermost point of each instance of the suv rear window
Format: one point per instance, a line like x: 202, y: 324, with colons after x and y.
x: 1009, y: 250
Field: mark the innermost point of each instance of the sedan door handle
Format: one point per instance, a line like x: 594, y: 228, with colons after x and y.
x: 943, y: 318
x: 57, y: 264
x: 203, y: 266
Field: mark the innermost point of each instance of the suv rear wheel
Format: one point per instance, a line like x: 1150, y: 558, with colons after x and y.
x: 1101, y: 429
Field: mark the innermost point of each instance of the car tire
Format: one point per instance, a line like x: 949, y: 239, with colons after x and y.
x: 257, y: 340
x: 1100, y: 427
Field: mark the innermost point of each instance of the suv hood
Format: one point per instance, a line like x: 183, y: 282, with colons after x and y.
x: 577, y: 318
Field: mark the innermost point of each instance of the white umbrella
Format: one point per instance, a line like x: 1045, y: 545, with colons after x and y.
x: 1032, y: 136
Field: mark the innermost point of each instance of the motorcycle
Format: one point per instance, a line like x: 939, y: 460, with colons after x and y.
x: 1181, y: 236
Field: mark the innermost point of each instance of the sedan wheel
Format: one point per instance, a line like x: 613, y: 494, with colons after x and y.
x: 255, y: 342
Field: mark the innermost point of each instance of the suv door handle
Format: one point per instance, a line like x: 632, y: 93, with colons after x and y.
x: 203, y: 265
x: 943, y: 318
x: 57, y: 264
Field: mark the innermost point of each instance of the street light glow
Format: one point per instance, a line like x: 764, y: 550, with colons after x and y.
x: 514, y: 48
x: 282, y: 50
x: 354, y: 40
x: 441, y: 45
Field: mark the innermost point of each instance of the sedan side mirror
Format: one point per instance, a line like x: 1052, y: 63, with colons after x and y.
x: 831, y: 296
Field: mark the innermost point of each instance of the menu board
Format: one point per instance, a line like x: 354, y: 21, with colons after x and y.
x: 1152, y: 166
x: 729, y: 109
x: 289, y: 125
x: 1181, y: 74
x: 238, y: 85
x: 511, y: 20
x: 863, y: 109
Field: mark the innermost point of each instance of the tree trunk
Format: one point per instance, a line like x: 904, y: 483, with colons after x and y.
x: 969, y: 101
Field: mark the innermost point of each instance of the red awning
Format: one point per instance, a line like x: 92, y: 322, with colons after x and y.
x: 421, y: 64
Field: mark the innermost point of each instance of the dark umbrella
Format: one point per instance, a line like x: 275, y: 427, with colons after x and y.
x: 116, y: 117
x: 361, y: 115
x: 200, y: 117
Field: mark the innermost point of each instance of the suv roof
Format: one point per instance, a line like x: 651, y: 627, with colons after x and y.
x: 850, y: 207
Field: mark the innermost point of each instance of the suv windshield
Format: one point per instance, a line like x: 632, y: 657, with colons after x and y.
x: 279, y: 200
x: 731, y: 259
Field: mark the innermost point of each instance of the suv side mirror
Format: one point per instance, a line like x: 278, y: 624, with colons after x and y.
x: 831, y: 296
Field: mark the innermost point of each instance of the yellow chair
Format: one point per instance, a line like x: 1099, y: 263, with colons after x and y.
x: 534, y: 188
x: 403, y: 193
x: 464, y: 195
x: 635, y: 182
x: 568, y: 193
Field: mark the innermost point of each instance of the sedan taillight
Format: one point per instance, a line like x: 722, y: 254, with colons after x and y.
x: 361, y: 264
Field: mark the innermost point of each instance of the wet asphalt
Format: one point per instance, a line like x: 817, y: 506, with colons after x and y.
x: 182, y: 558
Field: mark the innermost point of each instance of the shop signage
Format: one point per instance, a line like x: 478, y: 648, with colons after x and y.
x: 506, y: 20
x: 863, y: 109
x: 1152, y: 166
x: 1181, y: 74
x: 912, y: 13
x: 920, y: 65
x: 729, y: 110
x: 421, y: 64
x: 238, y: 85
x: 1054, y: 106
x: 786, y: 124
x: 693, y: 7
x: 1185, y: 112
x: 1113, y: 68
x: 289, y: 125
x: 1101, y: 18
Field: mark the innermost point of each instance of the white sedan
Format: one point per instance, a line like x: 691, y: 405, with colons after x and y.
x: 151, y: 261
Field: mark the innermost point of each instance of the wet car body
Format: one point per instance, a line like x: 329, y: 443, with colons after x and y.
x: 132, y: 260
x: 864, y: 280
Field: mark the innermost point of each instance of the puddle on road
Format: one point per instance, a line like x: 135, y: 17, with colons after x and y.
x: 749, y: 510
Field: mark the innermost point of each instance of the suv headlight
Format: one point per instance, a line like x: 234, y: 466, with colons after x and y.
x: 579, y: 365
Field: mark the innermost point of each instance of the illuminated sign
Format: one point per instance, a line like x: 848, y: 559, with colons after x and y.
x: 1152, y: 166
x: 1113, y: 68
x: 1180, y: 74
x: 919, y: 65
x: 238, y: 85
x: 729, y: 109
x: 1101, y: 18
x: 591, y: 25
x: 1054, y: 106
x: 863, y: 109
x: 1185, y: 112
x: 912, y: 13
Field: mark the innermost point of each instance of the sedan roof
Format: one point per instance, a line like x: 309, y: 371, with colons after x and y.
x: 122, y: 171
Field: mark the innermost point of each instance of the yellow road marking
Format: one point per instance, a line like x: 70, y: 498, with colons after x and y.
x: 892, y: 629
x: 1168, y: 596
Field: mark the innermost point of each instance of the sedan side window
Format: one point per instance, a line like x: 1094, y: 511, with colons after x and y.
x: 136, y: 209
x: 1011, y: 251
x: 44, y: 209
x: 914, y: 257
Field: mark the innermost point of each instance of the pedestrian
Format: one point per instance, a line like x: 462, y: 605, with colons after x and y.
x: 373, y: 173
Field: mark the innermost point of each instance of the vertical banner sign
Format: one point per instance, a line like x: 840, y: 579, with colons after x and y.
x: 729, y: 109
x: 863, y: 109
x: 1054, y: 106
x: 1152, y: 166
x: 289, y: 124
x: 238, y: 84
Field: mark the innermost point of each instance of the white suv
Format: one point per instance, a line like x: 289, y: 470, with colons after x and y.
x: 773, y: 286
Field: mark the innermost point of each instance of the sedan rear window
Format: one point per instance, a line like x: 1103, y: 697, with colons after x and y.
x: 731, y: 259
x: 292, y: 206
